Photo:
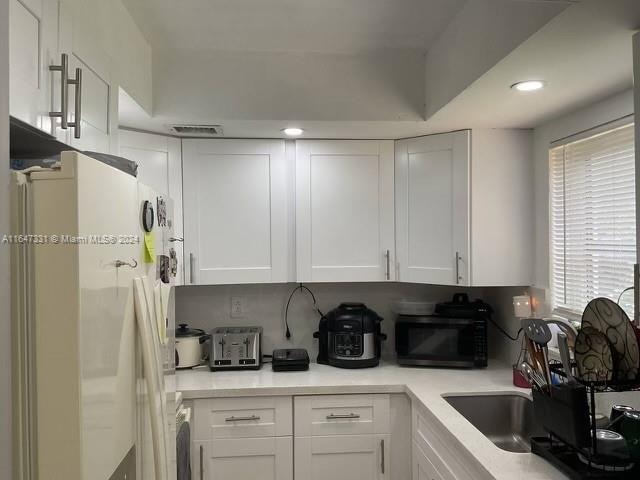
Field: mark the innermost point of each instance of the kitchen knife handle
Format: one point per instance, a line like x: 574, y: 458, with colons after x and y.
x: 192, y: 269
x: 342, y: 416
x: 201, y: 462
x: 387, y: 256
x: 242, y: 419
x: 63, y: 68
x: 382, y: 466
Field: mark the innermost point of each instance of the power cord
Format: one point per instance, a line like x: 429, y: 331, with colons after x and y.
x: 504, y: 332
x: 300, y: 287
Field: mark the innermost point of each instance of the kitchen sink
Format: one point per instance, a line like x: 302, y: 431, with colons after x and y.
x: 507, y: 420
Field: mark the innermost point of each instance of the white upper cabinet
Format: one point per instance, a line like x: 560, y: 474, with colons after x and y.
x: 344, y: 211
x: 432, y: 209
x: 462, y: 203
x: 33, y: 38
x: 46, y: 51
x: 235, y: 211
x: 92, y: 101
x: 159, y: 160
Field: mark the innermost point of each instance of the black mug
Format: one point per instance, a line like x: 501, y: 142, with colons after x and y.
x: 630, y: 430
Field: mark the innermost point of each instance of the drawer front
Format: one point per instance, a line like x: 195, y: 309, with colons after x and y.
x: 246, y: 417
x: 321, y: 415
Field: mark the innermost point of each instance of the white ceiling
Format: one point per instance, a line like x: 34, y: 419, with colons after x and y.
x: 584, y: 54
x: 329, y: 26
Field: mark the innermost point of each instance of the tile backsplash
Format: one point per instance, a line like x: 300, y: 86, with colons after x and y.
x: 207, y: 307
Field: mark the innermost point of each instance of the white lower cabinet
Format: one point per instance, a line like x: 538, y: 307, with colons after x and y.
x: 308, y: 437
x: 268, y: 458
x: 342, y: 457
x: 437, y: 454
x: 422, y: 467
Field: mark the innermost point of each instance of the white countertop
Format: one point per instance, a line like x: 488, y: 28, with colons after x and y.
x: 423, y: 385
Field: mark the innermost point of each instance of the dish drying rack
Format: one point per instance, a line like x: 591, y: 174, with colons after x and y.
x: 565, y: 455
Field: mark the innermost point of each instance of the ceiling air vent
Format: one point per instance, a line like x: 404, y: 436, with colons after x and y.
x: 197, y: 130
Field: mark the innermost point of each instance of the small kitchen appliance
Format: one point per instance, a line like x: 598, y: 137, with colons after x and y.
x: 190, y: 346
x: 236, y: 348
x: 290, y: 360
x: 349, y: 337
x: 456, y: 336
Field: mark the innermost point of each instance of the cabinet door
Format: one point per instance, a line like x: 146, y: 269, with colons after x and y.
x: 344, y: 457
x: 432, y: 209
x: 235, y: 211
x: 265, y: 458
x: 33, y: 35
x: 344, y: 211
x: 159, y: 160
x: 423, y: 469
x: 97, y: 97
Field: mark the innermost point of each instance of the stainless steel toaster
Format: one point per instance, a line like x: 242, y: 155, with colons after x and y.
x: 236, y: 348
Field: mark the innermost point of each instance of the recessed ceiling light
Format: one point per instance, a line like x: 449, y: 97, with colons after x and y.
x: 293, y: 131
x: 528, y: 86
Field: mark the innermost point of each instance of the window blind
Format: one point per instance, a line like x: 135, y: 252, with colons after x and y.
x: 593, y: 219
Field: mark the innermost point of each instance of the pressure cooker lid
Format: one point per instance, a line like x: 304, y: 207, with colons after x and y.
x: 184, y: 331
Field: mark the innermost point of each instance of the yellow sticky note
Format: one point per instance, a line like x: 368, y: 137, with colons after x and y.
x: 149, y: 248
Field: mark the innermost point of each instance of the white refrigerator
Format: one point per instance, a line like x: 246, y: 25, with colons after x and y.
x: 81, y: 385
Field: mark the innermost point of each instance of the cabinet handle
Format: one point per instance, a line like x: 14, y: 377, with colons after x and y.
x: 340, y: 416
x: 382, y: 456
x: 201, y: 462
x: 387, y: 275
x: 77, y: 103
x: 176, y: 239
x: 63, y: 68
x: 242, y: 419
x: 192, y: 267
x: 458, y: 277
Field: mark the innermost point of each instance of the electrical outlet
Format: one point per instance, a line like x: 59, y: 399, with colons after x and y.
x: 239, y: 307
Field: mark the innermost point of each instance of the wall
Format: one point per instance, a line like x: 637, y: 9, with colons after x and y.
x: 607, y: 110
x: 207, y: 307
x: 108, y: 26
x: 480, y: 35
x: 382, y: 85
x: 5, y: 324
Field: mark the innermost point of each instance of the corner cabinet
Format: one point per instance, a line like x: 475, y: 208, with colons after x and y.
x: 235, y: 211
x: 344, y: 210
x: 462, y: 205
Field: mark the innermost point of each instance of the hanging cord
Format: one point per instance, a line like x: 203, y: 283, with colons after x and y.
x: 300, y: 287
x: 628, y: 289
x: 504, y: 332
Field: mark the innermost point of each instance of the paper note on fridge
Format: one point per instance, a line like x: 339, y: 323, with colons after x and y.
x: 149, y: 248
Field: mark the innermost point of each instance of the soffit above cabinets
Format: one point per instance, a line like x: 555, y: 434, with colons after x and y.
x: 329, y: 26
x: 343, y: 69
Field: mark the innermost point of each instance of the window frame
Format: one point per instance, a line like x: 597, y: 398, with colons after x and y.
x: 627, y: 120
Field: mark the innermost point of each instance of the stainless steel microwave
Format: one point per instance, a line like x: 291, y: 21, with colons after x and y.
x: 437, y: 341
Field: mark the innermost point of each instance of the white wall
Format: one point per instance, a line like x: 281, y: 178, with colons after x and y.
x: 382, y: 85
x: 107, y: 25
x: 5, y: 324
x: 480, y: 35
x: 604, y: 111
x: 207, y: 307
